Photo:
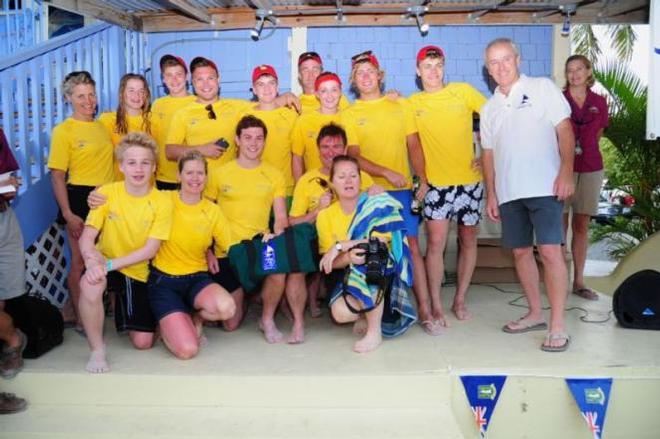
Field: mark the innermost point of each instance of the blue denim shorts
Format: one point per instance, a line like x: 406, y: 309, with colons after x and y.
x: 526, y: 218
x: 411, y: 220
x: 169, y: 293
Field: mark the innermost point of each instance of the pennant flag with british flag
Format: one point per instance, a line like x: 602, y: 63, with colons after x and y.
x: 482, y: 392
x: 592, y: 396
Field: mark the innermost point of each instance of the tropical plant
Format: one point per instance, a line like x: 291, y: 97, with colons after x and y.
x: 632, y: 162
x: 622, y: 38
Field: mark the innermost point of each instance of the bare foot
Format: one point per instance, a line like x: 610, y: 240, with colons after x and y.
x: 440, y: 319
x: 315, y: 311
x: 460, y: 311
x: 360, y: 326
x: 297, y: 335
x: 271, y: 333
x: 368, y: 343
x: 97, y: 362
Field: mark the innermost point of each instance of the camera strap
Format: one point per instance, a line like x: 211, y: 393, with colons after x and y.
x: 379, y: 295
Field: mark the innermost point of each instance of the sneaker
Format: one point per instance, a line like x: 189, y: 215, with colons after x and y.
x: 12, y: 358
x: 10, y: 403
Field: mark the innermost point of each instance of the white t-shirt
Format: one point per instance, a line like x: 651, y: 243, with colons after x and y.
x: 520, y: 129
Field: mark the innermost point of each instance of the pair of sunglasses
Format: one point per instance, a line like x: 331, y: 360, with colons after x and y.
x: 364, y: 56
x: 308, y: 55
x: 321, y: 182
x: 211, y: 114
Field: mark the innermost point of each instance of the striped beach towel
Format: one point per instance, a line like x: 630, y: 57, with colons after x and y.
x: 381, y: 213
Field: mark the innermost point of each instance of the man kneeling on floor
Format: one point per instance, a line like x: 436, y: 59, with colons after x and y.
x: 132, y: 224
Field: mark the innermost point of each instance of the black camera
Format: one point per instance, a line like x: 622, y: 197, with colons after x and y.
x: 376, y: 256
x: 222, y: 143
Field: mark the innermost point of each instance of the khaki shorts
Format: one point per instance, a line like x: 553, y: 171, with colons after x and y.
x: 587, y: 188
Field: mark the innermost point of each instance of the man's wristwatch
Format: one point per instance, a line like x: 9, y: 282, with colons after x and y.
x: 338, y: 246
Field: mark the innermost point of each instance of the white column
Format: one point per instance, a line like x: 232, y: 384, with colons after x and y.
x: 561, y: 50
x: 297, y: 45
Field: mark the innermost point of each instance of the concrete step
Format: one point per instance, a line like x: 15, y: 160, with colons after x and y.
x: 164, y: 422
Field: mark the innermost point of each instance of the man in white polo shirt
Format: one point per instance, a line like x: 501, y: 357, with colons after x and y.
x: 528, y: 161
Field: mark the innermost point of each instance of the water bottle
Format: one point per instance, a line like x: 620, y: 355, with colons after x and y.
x: 416, y: 205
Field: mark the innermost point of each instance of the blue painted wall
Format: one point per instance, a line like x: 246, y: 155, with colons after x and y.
x: 233, y: 51
x: 396, y: 48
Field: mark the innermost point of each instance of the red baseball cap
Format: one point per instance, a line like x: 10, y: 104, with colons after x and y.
x: 367, y: 56
x: 309, y: 55
x: 429, y: 51
x: 172, y: 58
x: 263, y: 70
x: 326, y: 76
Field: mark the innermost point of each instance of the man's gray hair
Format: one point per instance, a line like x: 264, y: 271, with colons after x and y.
x: 498, y: 41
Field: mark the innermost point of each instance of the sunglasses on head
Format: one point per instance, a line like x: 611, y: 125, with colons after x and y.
x: 209, y: 108
x: 308, y: 55
x: 364, y: 56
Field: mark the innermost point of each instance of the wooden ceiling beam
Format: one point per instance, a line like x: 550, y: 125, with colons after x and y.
x: 101, y: 11
x: 385, y: 15
x: 191, y: 8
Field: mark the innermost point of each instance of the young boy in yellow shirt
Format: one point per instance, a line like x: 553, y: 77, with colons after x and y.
x: 130, y: 227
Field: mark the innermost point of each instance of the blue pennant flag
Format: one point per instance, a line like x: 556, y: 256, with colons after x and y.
x: 482, y: 392
x: 592, y: 396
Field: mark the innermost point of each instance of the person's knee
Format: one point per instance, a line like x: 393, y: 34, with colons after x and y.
x: 521, y: 252
x: 551, y: 253
x: 580, y: 226
x: 467, y: 237
x: 142, y: 341
x: 341, y: 314
x: 226, y: 308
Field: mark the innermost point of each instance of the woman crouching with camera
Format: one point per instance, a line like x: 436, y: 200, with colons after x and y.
x: 369, y: 279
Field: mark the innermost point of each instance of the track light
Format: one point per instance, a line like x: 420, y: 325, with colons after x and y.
x: 417, y: 12
x: 567, y: 10
x: 262, y: 15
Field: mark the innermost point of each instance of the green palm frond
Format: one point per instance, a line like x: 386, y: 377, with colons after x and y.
x: 634, y: 162
x: 623, y: 40
x: 585, y: 41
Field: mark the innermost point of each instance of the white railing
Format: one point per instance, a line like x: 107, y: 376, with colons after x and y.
x: 22, y: 27
x: 31, y: 101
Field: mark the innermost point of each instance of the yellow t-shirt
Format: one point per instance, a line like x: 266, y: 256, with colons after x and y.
x: 277, y: 151
x: 332, y: 225
x: 192, y: 126
x: 380, y: 127
x: 246, y: 197
x: 444, y: 123
x: 305, y: 132
x: 194, y: 228
x: 126, y: 222
x: 162, y: 111
x: 308, y: 191
x: 135, y: 124
x: 84, y: 150
x: 311, y: 103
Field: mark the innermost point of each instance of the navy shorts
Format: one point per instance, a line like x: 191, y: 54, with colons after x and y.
x: 226, y: 277
x: 528, y: 217
x: 77, y: 195
x: 411, y: 220
x: 170, y: 293
x: 132, y: 310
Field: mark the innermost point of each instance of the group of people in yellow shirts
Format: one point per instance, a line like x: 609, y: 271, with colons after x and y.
x: 174, y: 184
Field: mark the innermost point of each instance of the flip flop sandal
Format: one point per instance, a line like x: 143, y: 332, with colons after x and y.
x: 523, y: 327
x: 556, y: 336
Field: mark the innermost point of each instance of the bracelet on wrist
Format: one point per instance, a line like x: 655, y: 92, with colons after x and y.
x: 108, y: 265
